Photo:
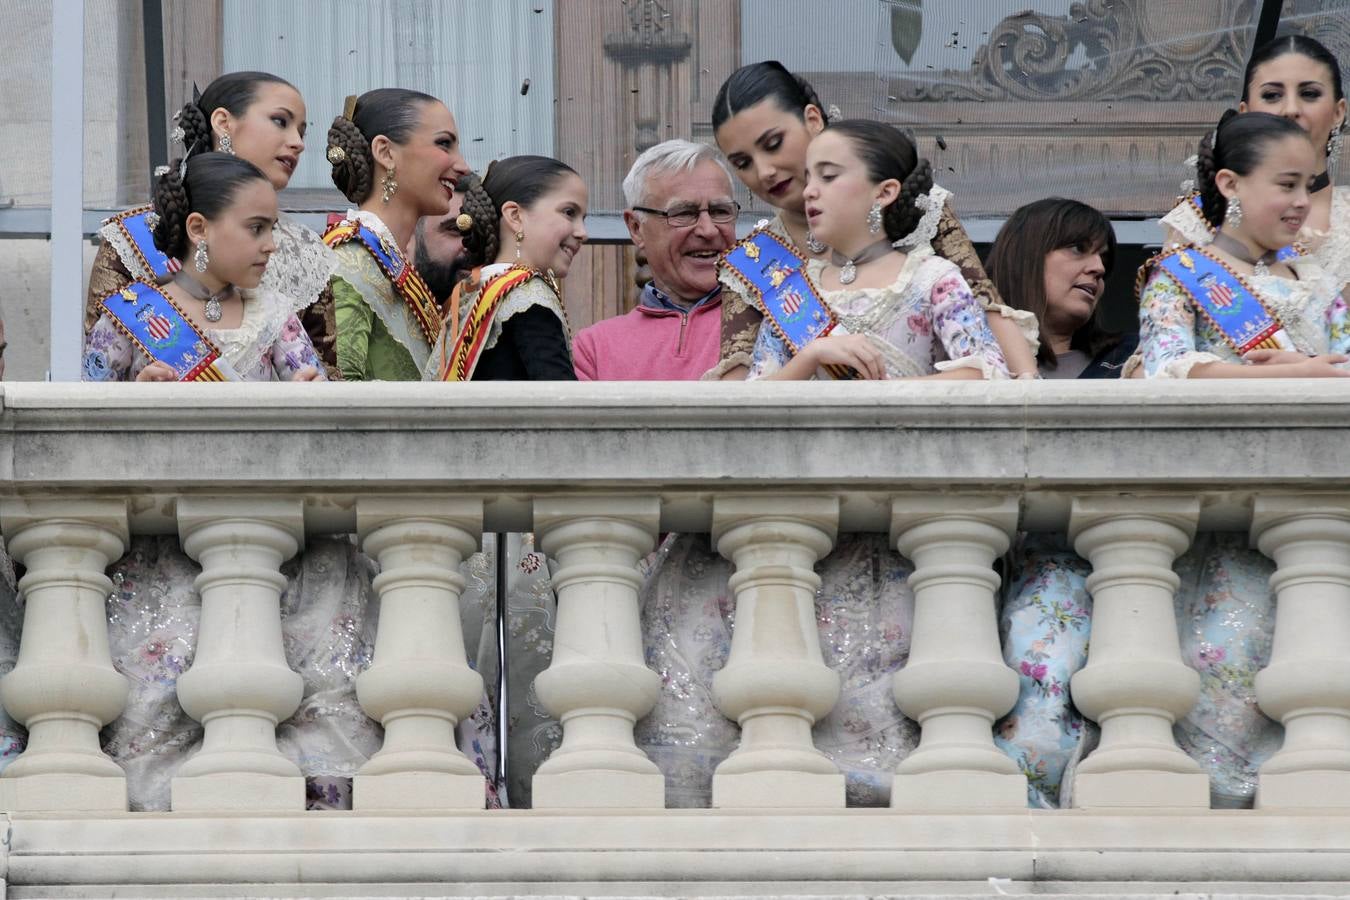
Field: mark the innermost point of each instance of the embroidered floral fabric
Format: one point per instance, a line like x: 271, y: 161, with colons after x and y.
x: 1173, y: 339
x: 927, y: 321
x: 1044, y: 627
x: 269, y: 345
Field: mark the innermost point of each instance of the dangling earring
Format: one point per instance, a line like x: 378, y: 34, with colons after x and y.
x: 1232, y: 216
x: 1334, y: 148
x: 201, y: 257
x: 389, y: 184
x: 520, y: 236
x: 874, y: 217
x: 226, y: 145
x: 815, y: 244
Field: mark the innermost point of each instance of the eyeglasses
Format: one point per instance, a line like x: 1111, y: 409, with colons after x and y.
x: 686, y: 216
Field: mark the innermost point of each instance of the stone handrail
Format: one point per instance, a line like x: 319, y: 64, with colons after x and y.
x: 242, y: 473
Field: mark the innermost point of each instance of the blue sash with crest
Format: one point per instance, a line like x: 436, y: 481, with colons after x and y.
x: 156, y: 325
x: 1284, y: 255
x: 135, y: 226
x: 1224, y: 298
x: 774, y: 277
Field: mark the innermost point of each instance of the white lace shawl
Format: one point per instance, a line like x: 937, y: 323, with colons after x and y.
x: 532, y: 293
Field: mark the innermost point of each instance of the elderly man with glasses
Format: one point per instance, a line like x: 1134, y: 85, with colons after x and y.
x: 682, y: 216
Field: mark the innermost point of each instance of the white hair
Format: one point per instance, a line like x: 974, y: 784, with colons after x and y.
x: 675, y: 155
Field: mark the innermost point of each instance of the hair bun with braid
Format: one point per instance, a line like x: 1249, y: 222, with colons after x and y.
x: 1215, y: 205
x: 903, y: 216
x: 354, y: 166
x: 481, y: 241
x: 172, y: 205
x: 196, y: 130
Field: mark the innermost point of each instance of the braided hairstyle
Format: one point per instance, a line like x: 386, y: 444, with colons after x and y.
x: 207, y: 186
x: 392, y: 112
x: 888, y: 153
x: 751, y: 84
x: 234, y: 92
x: 1238, y: 144
x: 517, y: 179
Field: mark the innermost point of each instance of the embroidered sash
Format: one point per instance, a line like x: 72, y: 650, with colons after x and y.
x: 774, y: 277
x: 156, y: 325
x: 462, y: 357
x: 1224, y: 298
x: 139, y: 237
x: 406, y: 282
x: 1293, y: 251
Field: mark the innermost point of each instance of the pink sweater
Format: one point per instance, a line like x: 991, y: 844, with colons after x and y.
x: 651, y: 345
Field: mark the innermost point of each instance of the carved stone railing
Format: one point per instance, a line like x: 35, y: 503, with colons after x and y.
x: 1130, y: 471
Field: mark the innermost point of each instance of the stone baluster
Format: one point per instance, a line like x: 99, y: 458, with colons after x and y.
x: 597, y: 683
x: 63, y: 686
x: 239, y: 685
x: 1307, y: 684
x: 775, y: 683
x: 955, y: 683
x: 1135, y: 684
x: 419, y: 685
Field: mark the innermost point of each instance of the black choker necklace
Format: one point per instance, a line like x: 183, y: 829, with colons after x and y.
x: 848, y: 268
x: 200, y: 292
x: 1320, y: 183
x: 1233, y: 247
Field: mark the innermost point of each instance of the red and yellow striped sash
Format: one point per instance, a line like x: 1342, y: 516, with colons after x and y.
x: 462, y: 357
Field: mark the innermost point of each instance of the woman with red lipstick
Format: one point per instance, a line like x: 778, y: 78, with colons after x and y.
x: 261, y: 119
x: 528, y: 222
x: 1298, y: 78
x: 763, y: 118
x: 395, y: 154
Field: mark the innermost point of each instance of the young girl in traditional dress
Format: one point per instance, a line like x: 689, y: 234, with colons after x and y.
x: 215, y: 221
x: 395, y: 154
x: 259, y: 118
x: 1296, y: 77
x: 526, y: 222
x: 763, y: 118
x: 1254, y: 175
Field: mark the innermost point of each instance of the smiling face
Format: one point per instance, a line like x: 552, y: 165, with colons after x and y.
x: 1274, y: 194
x: 428, y: 164
x: 239, y: 239
x: 1075, y: 278
x: 1298, y: 88
x: 840, y: 193
x: 271, y: 132
x: 766, y: 146
x: 683, y: 261
x: 554, y: 225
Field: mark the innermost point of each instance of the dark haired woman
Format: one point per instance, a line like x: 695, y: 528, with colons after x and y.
x: 528, y: 222
x: 1052, y: 258
x: 1234, y: 306
x: 1300, y: 79
x: 395, y: 154
x: 763, y: 119
x: 261, y: 119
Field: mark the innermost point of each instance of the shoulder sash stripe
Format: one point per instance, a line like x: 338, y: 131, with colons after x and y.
x: 408, y: 284
x: 155, y: 324
x: 462, y: 358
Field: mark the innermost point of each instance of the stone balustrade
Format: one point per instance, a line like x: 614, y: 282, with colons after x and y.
x: 243, y: 474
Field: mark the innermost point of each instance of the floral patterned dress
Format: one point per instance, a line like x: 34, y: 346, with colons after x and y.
x: 1225, y: 608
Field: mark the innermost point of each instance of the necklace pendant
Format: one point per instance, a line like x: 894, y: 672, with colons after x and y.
x: 213, y: 310
x: 848, y: 273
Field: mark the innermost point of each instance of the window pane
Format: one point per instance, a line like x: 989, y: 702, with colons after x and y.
x: 25, y: 97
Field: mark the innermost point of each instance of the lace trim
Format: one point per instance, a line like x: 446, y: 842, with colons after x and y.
x: 719, y: 371
x: 265, y: 313
x: 927, y: 229
x: 532, y: 293
x: 301, y: 266
x: 981, y: 364
x: 1024, y: 319
x: 1177, y: 368
x: 125, y: 249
